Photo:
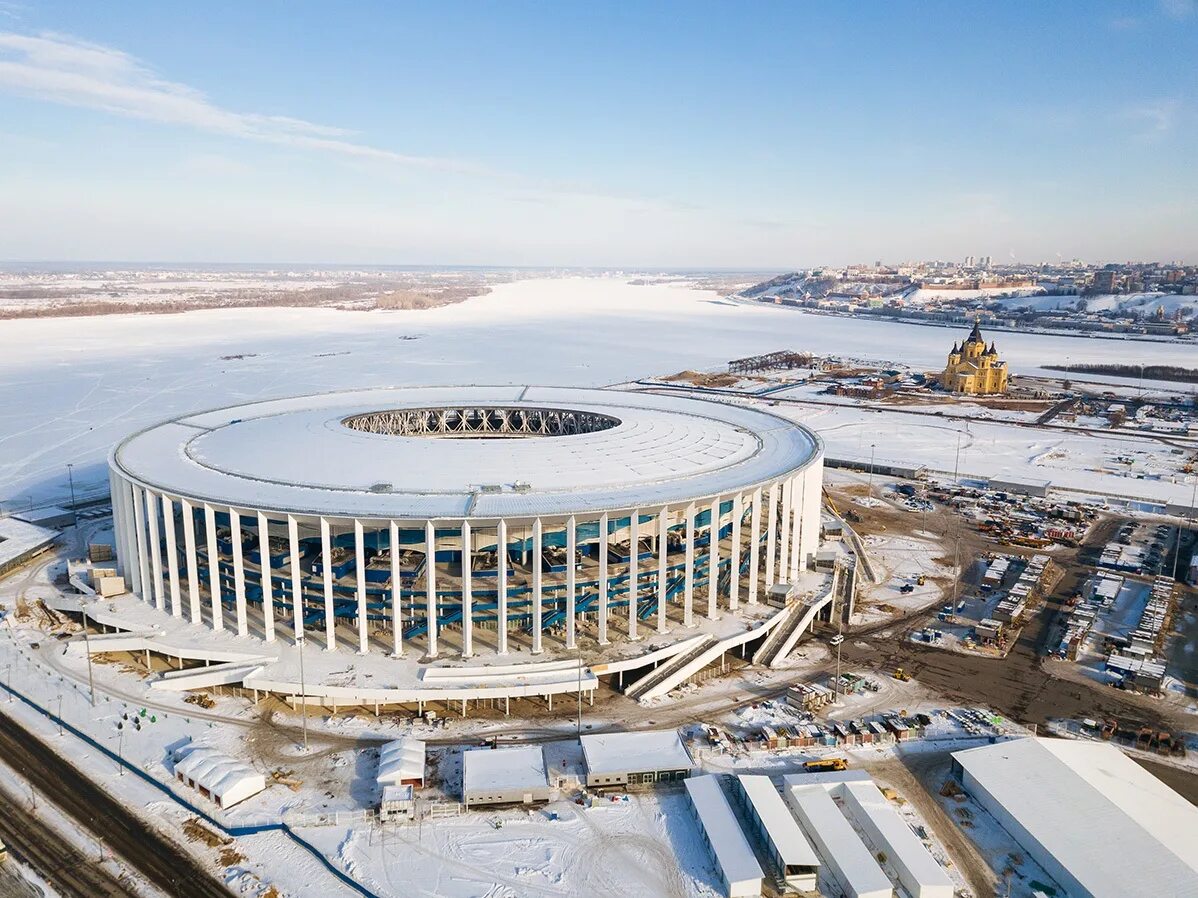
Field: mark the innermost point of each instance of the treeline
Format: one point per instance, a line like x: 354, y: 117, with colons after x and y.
x: 1152, y: 372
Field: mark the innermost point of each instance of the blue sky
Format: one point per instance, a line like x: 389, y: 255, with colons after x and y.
x: 687, y: 135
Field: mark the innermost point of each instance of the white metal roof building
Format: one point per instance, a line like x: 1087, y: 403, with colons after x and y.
x: 632, y: 758
x: 1095, y: 820
x: 794, y: 858
x: 401, y: 762
x: 426, y: 513
x: 219, y: 777
x: 513, y: 775
x: 918, y: 872
x: 734, y: 858
x: 842, y: 850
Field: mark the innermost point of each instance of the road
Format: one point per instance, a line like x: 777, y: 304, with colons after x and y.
x: 163, y: 863
x: 52, y: 857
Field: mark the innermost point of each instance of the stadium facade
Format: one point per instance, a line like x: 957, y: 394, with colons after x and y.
x: 465, y: 520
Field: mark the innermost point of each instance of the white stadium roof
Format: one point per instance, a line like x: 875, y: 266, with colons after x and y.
x: 1113, y: 826
x: 297, y: 455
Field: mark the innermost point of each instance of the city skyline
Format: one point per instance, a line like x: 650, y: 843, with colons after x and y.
x: 669, y: 137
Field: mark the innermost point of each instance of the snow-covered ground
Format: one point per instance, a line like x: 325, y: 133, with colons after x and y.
x: 70, y: 388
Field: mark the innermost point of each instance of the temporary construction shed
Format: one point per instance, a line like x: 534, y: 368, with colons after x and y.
x: 217, y: 776
x: 854, y: 868
x: 735, y: 862
x: 401, y: 763
x: 514, y: 775
x: 633, y: 758
x: 794, y: 860
x: 918, y: 872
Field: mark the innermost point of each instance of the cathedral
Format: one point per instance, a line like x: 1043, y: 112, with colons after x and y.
x: 974, y: 369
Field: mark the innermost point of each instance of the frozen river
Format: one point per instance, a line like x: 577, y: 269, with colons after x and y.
x: 71, y: 387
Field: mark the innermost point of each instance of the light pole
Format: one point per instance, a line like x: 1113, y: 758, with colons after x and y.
x: 837, y: 641
x: 299, y: 642
x: 870, y: 492
x: 87, y: 647
x: 580, y: 690
x: 1177, y: 548
x: 71, y: 480
x: 60, y: 713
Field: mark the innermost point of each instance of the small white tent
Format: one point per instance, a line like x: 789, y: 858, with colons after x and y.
x: 401, y: 762
x: 219, y: 777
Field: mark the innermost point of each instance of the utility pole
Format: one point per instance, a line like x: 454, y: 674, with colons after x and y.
x: 71, y: 480
x: 60, y: 713
x: 838, y: 641
x: 580, y: 690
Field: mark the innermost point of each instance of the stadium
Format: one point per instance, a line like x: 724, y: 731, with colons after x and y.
x: 444, y: 524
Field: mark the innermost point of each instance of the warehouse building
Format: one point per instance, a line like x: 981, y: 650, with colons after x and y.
x: 735, y: 862
x: 514, y: 775
x: 619, y: 759
x: 1097, y: 822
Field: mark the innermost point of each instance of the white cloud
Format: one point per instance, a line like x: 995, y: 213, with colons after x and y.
x: 1155, y: 118
x: 1178, y: 9
x: 61, y: 69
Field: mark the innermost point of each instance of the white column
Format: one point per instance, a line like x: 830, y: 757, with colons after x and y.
x: 152, y: 511
x: 537, y: 537
x: 214, y: 590
x: 688, y: 594
x: 268, y: 586
x: 663, y: 548
x: 132, y: 568
x: 172, y: 554
x: 813, y: 500
x: 602, y: 548
x: 297, y: 588
x: 326, y: 573
x: 738, y: 510
x: 430, y: 585
x: 796, y: 531
x: 571, y: 547
x: 771, y: 537
x: 784, y: 536
x: 634, y: 532
x: 360, y: 579
x: 243, y: 628
x: 501, y: 577
x: 713, y: 558
x: 189, y: 549
x: 396, y: 595
x: 143, y: 558
x: 755, y: 546
x: 115, y: 494
x: 467, y: 592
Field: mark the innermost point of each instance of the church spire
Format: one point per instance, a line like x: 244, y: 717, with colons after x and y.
x: 975, y: 335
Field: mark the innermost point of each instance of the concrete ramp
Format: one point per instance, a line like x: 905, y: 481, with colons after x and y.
x: 227, y: 674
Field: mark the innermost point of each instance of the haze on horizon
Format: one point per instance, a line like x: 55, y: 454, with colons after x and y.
x: 602, y: 135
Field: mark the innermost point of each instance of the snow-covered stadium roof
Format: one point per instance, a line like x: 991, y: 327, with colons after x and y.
x: 401, y: 760
x: 299, y: 455
x: 1113, y: 826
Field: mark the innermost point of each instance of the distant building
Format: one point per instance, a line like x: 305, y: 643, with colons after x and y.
x: 973, y: 368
